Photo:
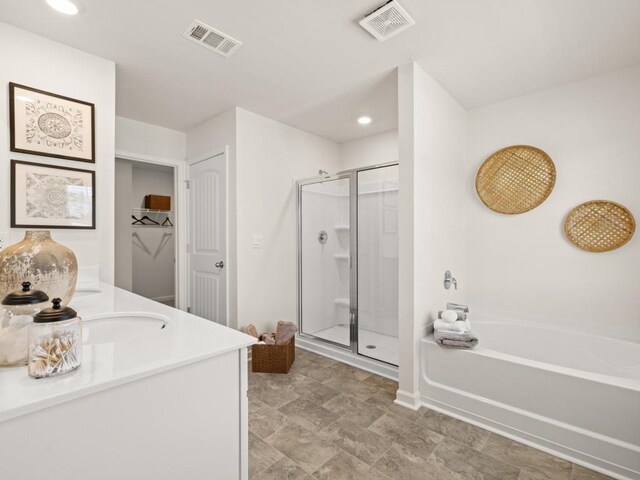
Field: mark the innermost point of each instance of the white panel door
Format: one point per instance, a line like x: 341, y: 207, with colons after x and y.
x: 207, y: 249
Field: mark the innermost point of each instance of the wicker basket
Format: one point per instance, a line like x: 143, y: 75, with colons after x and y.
x: 273, y: 358
x: 516, y: 179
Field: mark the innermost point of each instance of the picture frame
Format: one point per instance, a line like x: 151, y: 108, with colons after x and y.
x: 49, y: 196
x: 51, y: 125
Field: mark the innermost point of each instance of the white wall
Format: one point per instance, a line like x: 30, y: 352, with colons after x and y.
x: 34, y: 61
x: 122, y: 222
x: 432, y: 131
x: 138, y: 138
x: 270, y: 157
x: 521, y: 265
x: 371, y: 150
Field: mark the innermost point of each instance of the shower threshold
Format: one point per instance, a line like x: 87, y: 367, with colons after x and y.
x: 382, y: 360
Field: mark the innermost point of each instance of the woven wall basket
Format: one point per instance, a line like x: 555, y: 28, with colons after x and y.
x: 516, y: 179
x: 599, y: 226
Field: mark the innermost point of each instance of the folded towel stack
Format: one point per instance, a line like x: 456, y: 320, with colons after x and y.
x: 285, y: 331
x: 453, y: 329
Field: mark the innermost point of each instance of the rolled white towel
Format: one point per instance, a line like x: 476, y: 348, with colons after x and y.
x: 449, y: 316
x: 442, y: 325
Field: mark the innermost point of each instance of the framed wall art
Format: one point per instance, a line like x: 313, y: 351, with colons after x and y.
x: 51, y: 125
x: 46, y: 196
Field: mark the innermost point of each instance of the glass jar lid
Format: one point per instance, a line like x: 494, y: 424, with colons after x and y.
x: 26, y: 296
x: 55, y: 313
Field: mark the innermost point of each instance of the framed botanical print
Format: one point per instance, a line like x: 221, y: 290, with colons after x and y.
x: 51, y: 196
x: 44, y: 123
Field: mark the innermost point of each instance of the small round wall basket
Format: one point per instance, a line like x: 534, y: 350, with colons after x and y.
x: 516, y: 179
x: 599, y: 226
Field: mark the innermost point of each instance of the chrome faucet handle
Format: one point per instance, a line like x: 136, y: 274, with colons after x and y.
x: 457, y: 306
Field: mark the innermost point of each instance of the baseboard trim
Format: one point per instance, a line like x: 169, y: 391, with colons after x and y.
x: 408, y: 399
x: 166, y: 298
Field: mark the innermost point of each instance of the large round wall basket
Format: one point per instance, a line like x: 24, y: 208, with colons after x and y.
x: 516, y: 179
x: 599, y: 226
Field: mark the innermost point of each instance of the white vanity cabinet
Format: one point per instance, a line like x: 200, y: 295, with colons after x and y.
x: 171, y: 404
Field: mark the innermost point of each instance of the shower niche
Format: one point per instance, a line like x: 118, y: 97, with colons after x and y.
x: 348, y: 261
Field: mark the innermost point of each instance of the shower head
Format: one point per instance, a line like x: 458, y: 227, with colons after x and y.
x: 323, y: 172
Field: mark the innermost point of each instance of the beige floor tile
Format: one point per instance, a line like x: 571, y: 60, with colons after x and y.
x: 284, y: 469
x: 382, y: 383
x: 309, y: 369
x: 264, y: 420
x: 352, y: 372
x: 354, y: 410
x: 401, y: 463
x: 346, y: 467
x: 350, y: 386
x: 582, y: 473
x: 454, y: 460
x: 522, y: 456
x: 453, y: 428
x: 408, y: 434
x: 275, y: 393
x: 385, y: 400
x: 356, y: 440
x: 303, y: 447
x: 308, y: 413
x: 309, y: 388
x: 261, y: 455
x: 320, y: 360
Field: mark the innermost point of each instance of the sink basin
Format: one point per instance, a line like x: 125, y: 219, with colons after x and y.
x: 122, y: 327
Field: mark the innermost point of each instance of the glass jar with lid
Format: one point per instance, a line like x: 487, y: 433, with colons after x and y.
x: 55, y: 341
x: 18, y: 310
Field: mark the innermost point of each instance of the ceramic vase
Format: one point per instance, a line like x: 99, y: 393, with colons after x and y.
x: 47, y: 264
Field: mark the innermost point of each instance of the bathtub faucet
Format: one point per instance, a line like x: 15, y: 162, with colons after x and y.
x: 458, y: 306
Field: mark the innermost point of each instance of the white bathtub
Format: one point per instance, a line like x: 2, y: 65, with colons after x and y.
x: 574, y: 395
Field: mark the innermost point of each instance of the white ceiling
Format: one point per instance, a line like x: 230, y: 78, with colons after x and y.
x: 307, y: 63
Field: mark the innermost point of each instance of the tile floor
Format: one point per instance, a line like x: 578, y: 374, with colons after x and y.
x: 325, y: 420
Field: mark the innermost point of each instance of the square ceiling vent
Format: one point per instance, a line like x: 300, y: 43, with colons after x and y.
x: 387, y: 20
x: 213, y: 39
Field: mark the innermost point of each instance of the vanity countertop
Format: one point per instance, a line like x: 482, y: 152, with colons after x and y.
x: 108, y: 362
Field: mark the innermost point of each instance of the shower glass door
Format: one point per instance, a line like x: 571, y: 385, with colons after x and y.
x: 377, y: 263
x: 324, y: 259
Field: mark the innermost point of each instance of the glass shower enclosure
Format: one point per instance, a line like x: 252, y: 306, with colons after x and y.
x: 348, y: 260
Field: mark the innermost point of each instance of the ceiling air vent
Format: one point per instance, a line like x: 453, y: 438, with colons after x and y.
x: 213, y: 39
x: 387, y: 20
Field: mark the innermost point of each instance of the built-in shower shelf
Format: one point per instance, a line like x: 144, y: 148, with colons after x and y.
x: 342, y: 227
x: 341, y: 256
x: 342, y: 302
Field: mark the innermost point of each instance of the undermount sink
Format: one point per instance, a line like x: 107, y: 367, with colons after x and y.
x: 121, y: 327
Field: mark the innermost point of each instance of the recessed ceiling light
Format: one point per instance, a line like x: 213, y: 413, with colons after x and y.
x: 364, y: 120
x: 63, y: 6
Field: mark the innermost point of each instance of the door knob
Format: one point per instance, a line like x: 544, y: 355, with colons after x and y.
x: 219, y: 264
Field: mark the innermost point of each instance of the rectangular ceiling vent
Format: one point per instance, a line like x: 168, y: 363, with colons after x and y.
x: 213, y: 39
x: 387, y: 20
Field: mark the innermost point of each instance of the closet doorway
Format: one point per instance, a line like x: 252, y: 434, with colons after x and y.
x: 145, y: 230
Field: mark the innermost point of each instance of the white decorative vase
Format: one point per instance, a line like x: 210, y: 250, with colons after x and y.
x: 48, y: 265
